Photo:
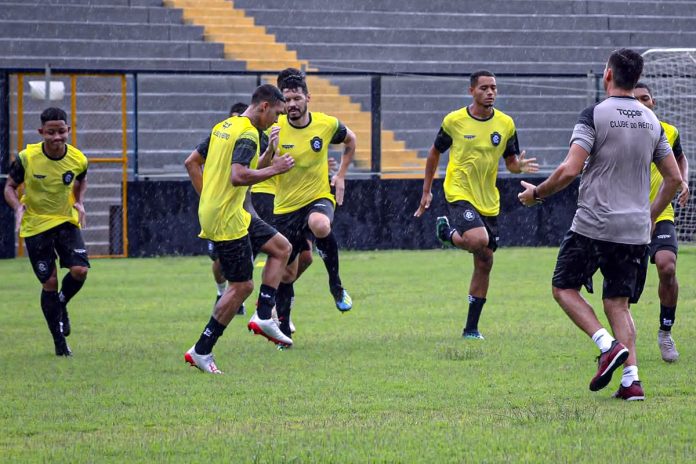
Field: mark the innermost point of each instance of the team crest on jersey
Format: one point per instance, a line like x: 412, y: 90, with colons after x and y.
x: 316, y: 143
x: 495, y: 139
x: 68, y: 177
x: 469, y: 215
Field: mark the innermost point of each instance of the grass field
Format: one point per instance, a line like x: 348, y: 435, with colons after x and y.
x: 391, y: 381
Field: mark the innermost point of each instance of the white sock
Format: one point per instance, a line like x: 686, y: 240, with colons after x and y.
x: 603, y: 340
x: 221, y: 288
x: 630, y: 375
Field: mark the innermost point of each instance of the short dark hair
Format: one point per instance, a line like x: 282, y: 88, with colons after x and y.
x: 238, y: 108
x: 626, y: 66
x: 643, y: 85
x: 473, y: 79
x: 53, y: 114
x: 292, y: 78
x: 267, y: 93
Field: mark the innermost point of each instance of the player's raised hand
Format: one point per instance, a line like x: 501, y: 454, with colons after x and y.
x: 526, y: 196
x: 339, y: 183
x: 81, y: 214
x: 19, y: 214
x: 527, y: 165
x: 283, y: 163
x: 683, y: 196
x: 425, y: 201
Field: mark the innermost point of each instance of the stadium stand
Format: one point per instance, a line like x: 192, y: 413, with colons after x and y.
x: 539, y: 37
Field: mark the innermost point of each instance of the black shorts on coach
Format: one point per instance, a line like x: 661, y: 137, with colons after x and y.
x: 295, y: 227
x: 237, y: 256
x: 623, y: 266
x: 464, y: 216
x: 65, y: 241
x: 664, y: 237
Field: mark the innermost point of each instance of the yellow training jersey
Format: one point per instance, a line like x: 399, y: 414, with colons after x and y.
x: 672, y: 135
x: 268, y: 185
x: 477, y: 146
x: 308, y: 180
x: 221, y: 208
x: 48, y: 187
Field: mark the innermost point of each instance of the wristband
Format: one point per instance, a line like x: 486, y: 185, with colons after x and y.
x: 536, y: 196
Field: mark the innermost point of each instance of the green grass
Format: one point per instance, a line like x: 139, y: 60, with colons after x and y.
x: 391, y: 381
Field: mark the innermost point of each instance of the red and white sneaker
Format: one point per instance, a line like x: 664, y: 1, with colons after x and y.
x: 269, y: 329
x: 204, y: 362
x: 633, y: 392
x: 607, y: 363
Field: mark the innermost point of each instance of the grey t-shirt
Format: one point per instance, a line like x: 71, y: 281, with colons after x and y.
x: 622, y: 137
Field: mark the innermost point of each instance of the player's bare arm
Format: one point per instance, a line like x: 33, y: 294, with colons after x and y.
x: 559, y: 179
x: 271, y: 150
x: 12, y: 199
x: 244, y: 176
x: 339, y: 180
x: 517, y: 164
x: 430, y: 169
x: 194, y: 166
x: 683, y: 164
x: 671, y: 180
x: 79, y: 189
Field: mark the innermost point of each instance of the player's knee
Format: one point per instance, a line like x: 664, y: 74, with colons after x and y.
x: 320, y: 226
x: 666, y: 269
x: 284, y: 248
x: 244, y: 288
x: 79, y: 272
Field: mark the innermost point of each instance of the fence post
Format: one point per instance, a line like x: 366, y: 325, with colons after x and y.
x: 135, y: 126
x: 4, y: 122
x: 376, y: 112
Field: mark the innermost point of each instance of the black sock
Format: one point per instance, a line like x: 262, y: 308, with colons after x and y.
x: 266, y: 301
x: 50, y: 305
x: 475, y: 308
x: 286, y: 293
x: 209, y: 337
x: 328, y: 250
x: 667, y: 316
x: 69, y: 288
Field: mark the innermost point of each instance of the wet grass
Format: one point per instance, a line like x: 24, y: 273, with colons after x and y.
x: 391, y: 381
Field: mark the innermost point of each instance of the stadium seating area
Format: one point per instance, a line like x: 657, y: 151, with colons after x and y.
x: 541, y: 39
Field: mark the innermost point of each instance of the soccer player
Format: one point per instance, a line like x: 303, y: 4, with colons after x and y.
x: 49, y: 216
x: 477, y: 136
x: 194, y: 166
x: 663, y: 243
x: 232, y: 165
x: 304, y: 206
x: 613, y: 144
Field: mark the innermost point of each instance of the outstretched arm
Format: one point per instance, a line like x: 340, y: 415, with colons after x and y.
x: 559, y: 179
x: 517, y: 164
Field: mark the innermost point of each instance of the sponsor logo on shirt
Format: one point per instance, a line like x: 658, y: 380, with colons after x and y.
x: 40, y: 176
x: 663, y: 236
x: 470, y: 137
x: 288, y: 146
x: 630, y: 113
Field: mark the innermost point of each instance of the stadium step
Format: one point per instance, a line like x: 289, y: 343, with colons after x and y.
x: 212, y: 14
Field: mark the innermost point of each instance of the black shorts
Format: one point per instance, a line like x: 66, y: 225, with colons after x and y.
x: 463, y: 216
x: 237, y: 256
x: 211, y: 250
x: 65, y: 241
x: 663, y: 238
x: 295, y: 225
x: 263, y: 204
x: 623, y: 266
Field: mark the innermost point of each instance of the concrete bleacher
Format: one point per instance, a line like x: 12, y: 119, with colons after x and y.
x: 119, y: 35
x: 537, y: 37
x: 506, y: 36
